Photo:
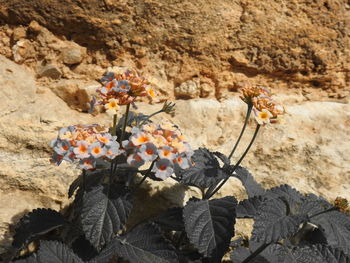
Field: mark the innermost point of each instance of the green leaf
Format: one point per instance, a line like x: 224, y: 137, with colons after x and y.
x: 105, y: 210
x: 248, y: 181
x: 33, y: 258
x: 56, y: 252
x: 171, y: 219
x: 274, y: 221
x: 209, y: 225
x: 38, y: 222
x: 319, y: 254
x: 248, y: 208
x: 205, y: 172
x: 143, y: 244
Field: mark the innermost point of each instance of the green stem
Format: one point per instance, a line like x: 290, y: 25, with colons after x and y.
x: 147, y: 173
x: 150, y: 116
x: 255, y: 253
x: 125, y: 122
x: 84, y: 179
x: 325, y: 211
x: 209, y: 193
x: 114, y: 128
x: 249, y: 110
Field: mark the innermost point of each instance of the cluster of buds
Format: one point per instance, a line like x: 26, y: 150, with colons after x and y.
x: 341, y: 203
x: 122, y: 89
x: 162, y: 144
x: 84, y: 143
x: 265, y: 109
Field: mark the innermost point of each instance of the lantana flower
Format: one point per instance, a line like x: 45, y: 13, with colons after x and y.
x: 162, y: 143
x: 122, y: 89
x: 265, y: 109
x: 84, y: 143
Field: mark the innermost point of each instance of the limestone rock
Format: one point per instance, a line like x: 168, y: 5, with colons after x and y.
x: 19, y: 33
x: 271, y: 43
x: 50, y: 71
x: 73, y: 54
x: 17, y: 87
x: 188, y: 90
x: 76, y: 93
x: 22, y: 50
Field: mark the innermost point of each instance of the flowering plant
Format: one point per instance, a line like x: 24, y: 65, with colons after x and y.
x: 85, y: 143
x: 122, y: 89
x: 288, y: 226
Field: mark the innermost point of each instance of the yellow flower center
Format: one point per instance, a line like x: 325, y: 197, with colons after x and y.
x: 264, y: 115
x: 96, y: 150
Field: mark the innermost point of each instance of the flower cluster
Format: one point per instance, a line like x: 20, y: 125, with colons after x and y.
x: 85, y: 143
x: 265, y: 109
x: 162, y: 143
x: 122, y: 89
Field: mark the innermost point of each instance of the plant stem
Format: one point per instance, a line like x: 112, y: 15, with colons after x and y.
x: 325, y: 211
x: 114, y: 127
x: 181, y: 238
x: 150, y: 116
x: 249, y: 110
x: 147, y: 173
x: 84, y: 179
x: 210, y: 194
x: 125, y: 122
x: 255, y: 253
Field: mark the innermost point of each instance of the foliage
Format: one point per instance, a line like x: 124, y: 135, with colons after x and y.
x: 288, y: 226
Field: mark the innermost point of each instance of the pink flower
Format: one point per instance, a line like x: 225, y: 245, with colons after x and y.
x: 84, y: 143
x: 163, y: 169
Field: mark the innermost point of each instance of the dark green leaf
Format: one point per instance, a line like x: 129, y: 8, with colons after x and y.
x: 35, y: 223
x: 313, y: 205
x: 319, y: 254
x: 83, y: 248
x: 274, y: 253
x: 209, y: 225
x: 335, y: 226
x: 249, y: 207
x: 289, y: 195
x: 248, y: 181
x: 241, y: 253
x: 205, y: 172
x: 222, y: 157
x: 56, y: 252
x: 171, y: 219
x: 274, y: 221
x: 143, y: 244
x: 133, y: 119
x: 92, y: 178
x: 29, y: 259
x: 105, y: 210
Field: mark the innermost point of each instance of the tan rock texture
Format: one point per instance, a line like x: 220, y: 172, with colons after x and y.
x: 200, y: 51
x: 309, y: 151
x: 299, y: 44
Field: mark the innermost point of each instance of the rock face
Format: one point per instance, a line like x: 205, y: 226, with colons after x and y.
x: 61, y: 47
x: 310, y: 151
x: 14, y: 94
x: 284, y: 44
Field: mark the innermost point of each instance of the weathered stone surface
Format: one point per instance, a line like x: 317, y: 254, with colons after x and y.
x: 73, y: 54
x: 300, y: 48
x: 287, y: 45
x: 50, y: 71
x: 17, y: 87
x: 76, y: 93
x: 18, y: 33
x: 309, y: 151
x: 22, y: 51
x: 188, y: 90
